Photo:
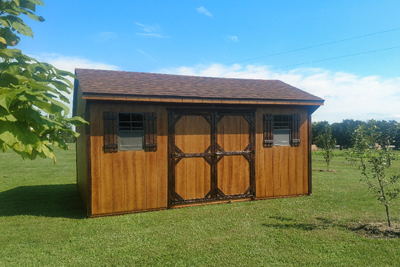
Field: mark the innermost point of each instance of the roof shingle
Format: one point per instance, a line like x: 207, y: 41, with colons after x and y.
x: 105, y: 82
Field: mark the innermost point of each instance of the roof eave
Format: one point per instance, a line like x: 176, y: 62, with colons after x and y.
x: 180, y: 99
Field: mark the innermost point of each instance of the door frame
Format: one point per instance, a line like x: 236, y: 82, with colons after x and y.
x: 213, y: 154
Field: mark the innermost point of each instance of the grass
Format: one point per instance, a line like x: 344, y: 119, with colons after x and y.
x: 42, y: 223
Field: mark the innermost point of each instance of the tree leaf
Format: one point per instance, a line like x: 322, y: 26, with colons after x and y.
x: 77, y: 121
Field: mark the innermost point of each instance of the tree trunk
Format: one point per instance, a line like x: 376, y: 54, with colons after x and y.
x: 387, y: 214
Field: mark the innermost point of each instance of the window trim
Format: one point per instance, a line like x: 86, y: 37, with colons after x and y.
x: 111, y: 131
x: 268, y: 134
x: 119, y: 132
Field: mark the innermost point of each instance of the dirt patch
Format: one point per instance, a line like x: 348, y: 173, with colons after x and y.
x: 377, y: 230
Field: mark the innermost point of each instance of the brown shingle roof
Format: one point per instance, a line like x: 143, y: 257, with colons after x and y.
x: 105, y: 82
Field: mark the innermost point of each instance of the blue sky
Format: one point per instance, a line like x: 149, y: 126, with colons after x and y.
x: 241, y: 39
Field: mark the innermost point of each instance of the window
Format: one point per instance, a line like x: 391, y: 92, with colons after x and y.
x: 130, y: 131
x: 281, y: 130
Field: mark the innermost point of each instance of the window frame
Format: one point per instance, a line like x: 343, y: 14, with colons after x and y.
x: 142, y: 131
x: 285, y: 126
x: 293, y: 125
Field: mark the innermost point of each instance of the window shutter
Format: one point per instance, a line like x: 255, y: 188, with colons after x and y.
x: 295, y: 130
x: 150, y: 128
x: 110, y: 132
x: 268, y: 138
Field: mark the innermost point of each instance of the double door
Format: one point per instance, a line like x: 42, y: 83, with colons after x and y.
x: 211, y: 155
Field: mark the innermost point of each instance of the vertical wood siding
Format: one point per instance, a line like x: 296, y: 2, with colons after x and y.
x: 127, y: 181
x: 281, y: 171
x: 233, y: 171
x: 192, y: 135
x: 81, y: 164
x: 133, y: 181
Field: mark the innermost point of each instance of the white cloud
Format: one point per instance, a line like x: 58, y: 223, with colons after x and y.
x: 231, y: 38
x: 203, y: 10
x: 71, y: 63
x: 150, y: 31
x: 104, y: 37
x: 347, y: 96
x: 150, y: 34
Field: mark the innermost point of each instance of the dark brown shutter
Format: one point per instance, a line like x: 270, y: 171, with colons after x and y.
x: 268, y: 139
x: 295, y: 130
x: 150, y: 128
x: 110, y: 132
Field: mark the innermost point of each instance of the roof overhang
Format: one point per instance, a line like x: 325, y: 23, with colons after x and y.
x: 188, y: 100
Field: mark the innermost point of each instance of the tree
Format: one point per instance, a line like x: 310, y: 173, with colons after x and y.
x: 29, y: 90
x: 374, y: 163
x: 317, y: 130
x: 65, y: 132
x: 343, y: 132
x: 327, y: 142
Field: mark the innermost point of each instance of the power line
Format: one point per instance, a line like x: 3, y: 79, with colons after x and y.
x: 315, y: 61
x: 304, y: 48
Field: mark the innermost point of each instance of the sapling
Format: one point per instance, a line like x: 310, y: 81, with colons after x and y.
x: 328, y: 143
x: 373, y: 164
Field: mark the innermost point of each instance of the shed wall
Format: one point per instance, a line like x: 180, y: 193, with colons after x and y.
x: 81, y: 160
x: 281, y: 171
x: 127, y: 181
x: 134, y: 181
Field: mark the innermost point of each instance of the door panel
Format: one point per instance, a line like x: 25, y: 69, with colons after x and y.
x: 211, y: 155
x: 233, y: 170
x: 233, y: 175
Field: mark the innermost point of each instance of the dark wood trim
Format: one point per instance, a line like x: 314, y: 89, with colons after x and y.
x: 150, y: 128
x: 253, y: 155
x: 220, y: 196
x: 309, y: 143
x: 88, y: 161
x: 268, y: 133
x: 110, y: 131
x: 171, y: 160
x: 295, y: 130
x: 214, y: 157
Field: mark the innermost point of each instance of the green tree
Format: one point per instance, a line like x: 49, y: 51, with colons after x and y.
x: 343, y: 132
x: 65, y: 132
x: 374, y: 163
x: 29, y: 90
x: 327, y: 142
x: 317, y: 130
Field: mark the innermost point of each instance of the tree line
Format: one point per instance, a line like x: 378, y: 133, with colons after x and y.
x: 344, y: 132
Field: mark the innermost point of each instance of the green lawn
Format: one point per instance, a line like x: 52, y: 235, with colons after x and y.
x: 42, y: 223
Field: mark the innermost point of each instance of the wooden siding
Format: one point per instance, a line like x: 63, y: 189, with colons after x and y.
x: 282, y: 171
x: 81, y: 144
x: 127, y: 181
x: 233, y: 171
x: 134, y: 181
x: 192, y: 175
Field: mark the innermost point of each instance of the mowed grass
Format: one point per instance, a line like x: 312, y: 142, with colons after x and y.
x: 42, y: 223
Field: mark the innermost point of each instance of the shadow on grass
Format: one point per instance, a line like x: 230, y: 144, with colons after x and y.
x: 321, y: 223
x: 42, y: 200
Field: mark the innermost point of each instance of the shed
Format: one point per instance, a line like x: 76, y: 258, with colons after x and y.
x: 159, y: 141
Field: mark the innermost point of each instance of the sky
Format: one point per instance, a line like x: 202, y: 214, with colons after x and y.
x: 346, y: 52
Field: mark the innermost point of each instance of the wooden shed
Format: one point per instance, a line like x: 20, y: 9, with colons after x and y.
x: 158, y: 141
